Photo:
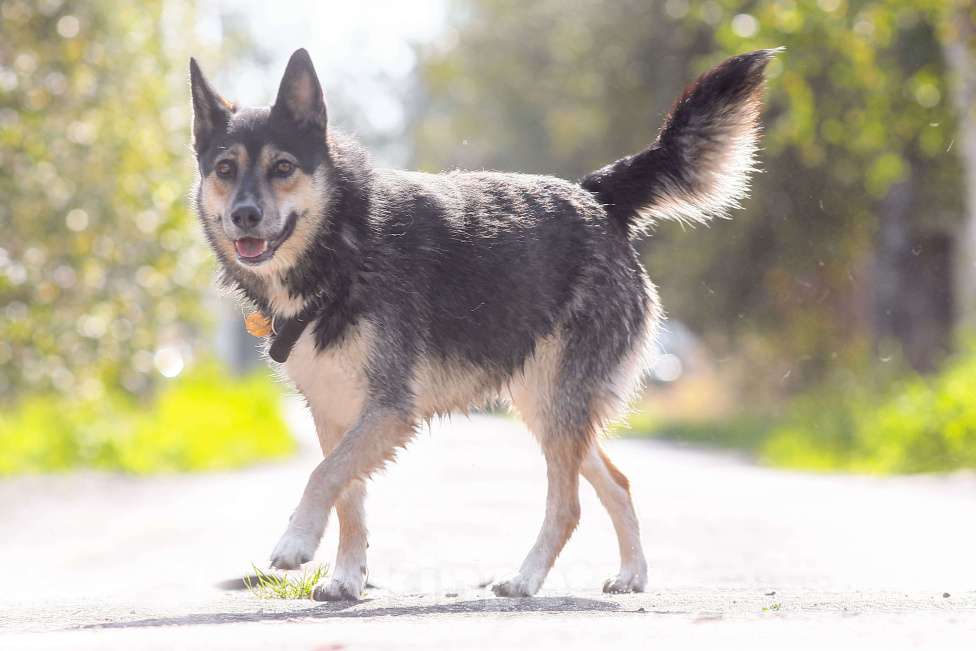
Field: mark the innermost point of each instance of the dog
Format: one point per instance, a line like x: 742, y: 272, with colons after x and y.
x: 399, y: 296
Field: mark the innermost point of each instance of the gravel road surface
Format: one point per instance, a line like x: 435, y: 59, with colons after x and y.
x: 741, y: 556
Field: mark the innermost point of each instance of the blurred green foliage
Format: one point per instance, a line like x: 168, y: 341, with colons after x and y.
x: 203, y: 420
x: 102, y: 270
x: 856, y: 103
x: 921, y: 424
x: 98, y: 264
x: 914, y: 424
x: 739, y: 432
x: 800, y: 296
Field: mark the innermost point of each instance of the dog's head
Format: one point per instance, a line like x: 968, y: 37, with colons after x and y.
x: 263, y: 171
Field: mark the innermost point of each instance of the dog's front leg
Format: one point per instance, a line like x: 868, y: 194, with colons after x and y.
x: 363, y: 450
x: 348, y: 576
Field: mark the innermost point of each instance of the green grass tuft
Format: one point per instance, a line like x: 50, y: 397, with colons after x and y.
x: 284, y: 586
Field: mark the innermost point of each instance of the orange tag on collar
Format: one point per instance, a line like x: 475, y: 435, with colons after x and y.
x: 257, y: 324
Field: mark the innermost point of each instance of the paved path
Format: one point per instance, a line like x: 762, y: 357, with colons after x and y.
x: 740, y: 556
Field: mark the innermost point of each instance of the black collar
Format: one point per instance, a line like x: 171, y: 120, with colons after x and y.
x: 289, y: 330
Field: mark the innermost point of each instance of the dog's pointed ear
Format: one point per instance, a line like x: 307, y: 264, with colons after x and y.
x: 211, y: 112
x: 300, y: 100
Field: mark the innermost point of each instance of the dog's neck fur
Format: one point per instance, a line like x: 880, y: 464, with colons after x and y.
x: 328, y: 269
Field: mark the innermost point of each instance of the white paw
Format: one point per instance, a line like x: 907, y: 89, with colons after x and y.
x: 338, y: 589
x: 292, y: 550
x: 626, y: 581
x: 518, y: 586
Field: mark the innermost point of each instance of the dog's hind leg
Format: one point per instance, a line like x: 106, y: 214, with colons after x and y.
x: 544, y: 401
x: 577, y: 382
x: 613, y: 489
x: 362, y: 451
x: 564, y: 452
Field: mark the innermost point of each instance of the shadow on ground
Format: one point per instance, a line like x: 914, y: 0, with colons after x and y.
x: 242, y: 583
x: 360, y: 609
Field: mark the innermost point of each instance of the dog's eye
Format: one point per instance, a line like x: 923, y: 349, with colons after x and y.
x: 283, y: 168
x: 226, y: 169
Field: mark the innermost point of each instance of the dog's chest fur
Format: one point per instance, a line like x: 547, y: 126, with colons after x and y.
x: 333, y: 381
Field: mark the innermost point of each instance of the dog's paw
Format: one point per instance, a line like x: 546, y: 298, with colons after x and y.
x: 517, y: 586
x: 626, y: 582
x: 337, y: 589
x: 292, y: 551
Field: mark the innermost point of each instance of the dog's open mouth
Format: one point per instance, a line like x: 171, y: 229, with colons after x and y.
x: 253, y: 250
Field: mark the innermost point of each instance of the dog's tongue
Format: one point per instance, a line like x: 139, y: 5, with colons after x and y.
x: 250, y: 247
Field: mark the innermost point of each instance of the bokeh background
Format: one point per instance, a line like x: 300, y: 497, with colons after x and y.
x: 829, y: 325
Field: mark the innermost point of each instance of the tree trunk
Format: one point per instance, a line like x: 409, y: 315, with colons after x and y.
x: 913, y: 302
x: 959, y: 45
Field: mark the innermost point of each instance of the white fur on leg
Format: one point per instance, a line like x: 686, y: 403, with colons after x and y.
x: 341, y: 586
x: 523, y: 584
x: 349, y: 577
x: 562, y: 516
x: 560, y: 521
x: 613, y: 490
x: 299, y: 542
x: 627, y: 581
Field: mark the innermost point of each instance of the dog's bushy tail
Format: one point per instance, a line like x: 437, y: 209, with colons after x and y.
x: 700, y: 164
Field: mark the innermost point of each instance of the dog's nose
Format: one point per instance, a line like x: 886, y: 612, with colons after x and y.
x: 246, y: 215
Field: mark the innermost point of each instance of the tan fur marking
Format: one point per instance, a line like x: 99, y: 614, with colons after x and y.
x: 613, y: 489
x: 531, y: 390
x: 617, y: 476
x: 305, y: 195
x: 443, y: 387
x: 295, y: 183
x: 215, y: 197
x: 308, y: 198
x: 217, y: 193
